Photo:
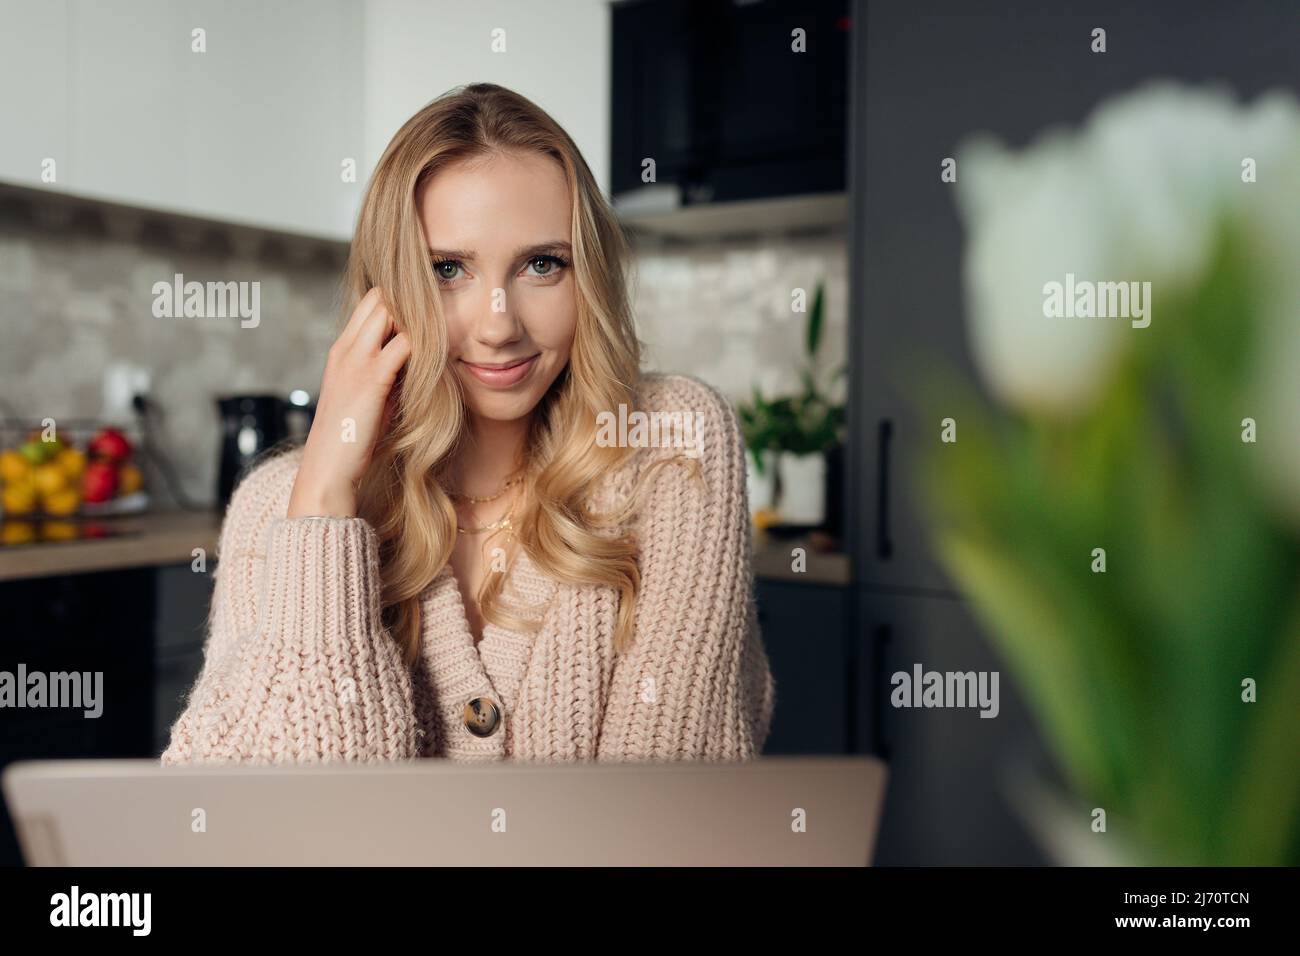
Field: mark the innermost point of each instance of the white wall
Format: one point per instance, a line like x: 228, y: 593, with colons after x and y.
x: 252, y: 129
x: 557, y: 54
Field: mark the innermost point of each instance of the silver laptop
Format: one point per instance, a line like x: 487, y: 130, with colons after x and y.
x: 772, y: 811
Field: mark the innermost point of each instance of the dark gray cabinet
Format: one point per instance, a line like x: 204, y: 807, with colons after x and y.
x: 925, y: 75
x: 804, y: 631
x: 951, y: 771
x: 98, y: 627
x: 714, y: 93
x: 184, y: 599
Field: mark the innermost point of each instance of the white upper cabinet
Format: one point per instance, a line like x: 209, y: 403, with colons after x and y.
x: 253, y: 119
x: 128, y: 126
x: 248, y: 121
x: 274, y: 112
x: 33, y: 92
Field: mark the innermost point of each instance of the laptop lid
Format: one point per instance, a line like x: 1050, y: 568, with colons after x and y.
x: 771, y: 811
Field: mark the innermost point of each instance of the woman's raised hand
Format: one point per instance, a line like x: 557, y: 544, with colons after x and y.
x: 351, y: 411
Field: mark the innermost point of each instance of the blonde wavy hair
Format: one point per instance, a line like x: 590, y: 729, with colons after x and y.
x: 402, y: 495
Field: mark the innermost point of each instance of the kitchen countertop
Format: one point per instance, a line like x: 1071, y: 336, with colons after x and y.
x: 772, y: 560
x: 170, y: 537
x: 156, y: 538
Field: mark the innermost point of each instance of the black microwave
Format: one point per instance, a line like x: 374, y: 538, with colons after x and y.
x: 732, y: 100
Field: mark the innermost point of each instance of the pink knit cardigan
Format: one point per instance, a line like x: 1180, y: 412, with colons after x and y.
x: 299, y: 668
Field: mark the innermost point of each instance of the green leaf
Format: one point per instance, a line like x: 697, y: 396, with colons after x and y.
x: 814, y: 336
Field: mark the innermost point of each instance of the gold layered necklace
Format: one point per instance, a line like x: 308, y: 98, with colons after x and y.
x: 492, y: 497
x: 501, y: 524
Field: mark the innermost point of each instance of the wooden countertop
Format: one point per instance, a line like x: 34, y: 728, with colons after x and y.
x: 164, y: 537
x: 170, y: 537
x: 773, y: 558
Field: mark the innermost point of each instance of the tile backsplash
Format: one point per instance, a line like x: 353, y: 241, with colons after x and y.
x: 80, y: 337
x: 724, y: 310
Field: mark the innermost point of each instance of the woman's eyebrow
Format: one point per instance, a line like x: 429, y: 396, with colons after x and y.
x: 558, y: 246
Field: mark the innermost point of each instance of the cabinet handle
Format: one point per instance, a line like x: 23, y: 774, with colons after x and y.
x: 884, y: 438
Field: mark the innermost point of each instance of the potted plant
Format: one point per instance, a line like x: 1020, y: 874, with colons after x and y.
x: 788, y: 437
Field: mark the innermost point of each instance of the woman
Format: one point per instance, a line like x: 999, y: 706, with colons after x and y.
x: 460, y: 562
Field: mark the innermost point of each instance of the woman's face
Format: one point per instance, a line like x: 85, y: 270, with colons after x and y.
x: 498, y: 231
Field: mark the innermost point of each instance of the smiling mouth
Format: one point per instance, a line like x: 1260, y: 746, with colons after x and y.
x: 500, y: 366
x: 504, y: 375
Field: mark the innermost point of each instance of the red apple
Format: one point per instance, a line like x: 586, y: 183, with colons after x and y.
x: 110, y: 444
x: 99, y: 483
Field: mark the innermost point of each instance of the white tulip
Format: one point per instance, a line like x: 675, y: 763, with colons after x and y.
x: 1273, y: 212
x: 1033, y: 219
x: 1136, y: 196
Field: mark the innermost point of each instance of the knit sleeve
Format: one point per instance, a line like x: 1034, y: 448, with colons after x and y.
x: 297, y: 665
x: 696, y: 683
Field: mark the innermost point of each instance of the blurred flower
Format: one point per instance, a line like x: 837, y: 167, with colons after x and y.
x: 1032, y: 219
x: 1139, y: 193
x: 1136, y: 195
x: 1274, y: 214
x: 1127, y: 442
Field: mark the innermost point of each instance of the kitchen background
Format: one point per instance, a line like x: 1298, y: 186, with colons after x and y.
x: 237, y: 164
x: 76, y: 277
x: 775, y: 173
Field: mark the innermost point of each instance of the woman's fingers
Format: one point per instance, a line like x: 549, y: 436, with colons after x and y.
x: 394, y: 355
x: 357, y: 387
x: 364, y: 308
x: 374, y: 330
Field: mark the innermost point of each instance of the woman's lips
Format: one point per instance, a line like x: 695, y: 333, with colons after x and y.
x: 501, y: 377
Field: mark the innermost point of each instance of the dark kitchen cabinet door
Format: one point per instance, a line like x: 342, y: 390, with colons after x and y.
x: 949, y: 799
x: 908, y: 317
x: 98, y: 626
x: 927, y: 76
x: 184, y: 602
x: 653, y: 76
x: 803, y: 629
x: 732, y: 100
x: 772, y: 119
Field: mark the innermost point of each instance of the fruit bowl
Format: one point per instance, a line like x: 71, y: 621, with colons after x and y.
x: 69, y: 469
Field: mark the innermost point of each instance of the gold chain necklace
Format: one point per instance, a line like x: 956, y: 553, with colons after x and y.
x: 501, y: 523
x: 493, y: 497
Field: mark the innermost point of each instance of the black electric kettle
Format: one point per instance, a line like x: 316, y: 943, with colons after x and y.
x: 250, y: 424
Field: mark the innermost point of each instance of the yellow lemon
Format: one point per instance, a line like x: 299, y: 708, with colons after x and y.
x: 61, y: 503
x: 13, y: 466
x: 17, y: 532
x: 129, y: 480
x: 19, y: 497
x: 49, y: 479
x: 72, y: 461
x: 59, y: 531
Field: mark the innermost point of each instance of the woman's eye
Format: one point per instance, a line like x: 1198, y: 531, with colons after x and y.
x: 446, y: 270
x: 546, y: 265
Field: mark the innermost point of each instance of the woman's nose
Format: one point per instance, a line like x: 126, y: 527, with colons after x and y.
x: 496, y: 324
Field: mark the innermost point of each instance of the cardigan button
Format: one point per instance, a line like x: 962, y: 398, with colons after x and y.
x: 482, y: 717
